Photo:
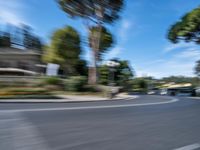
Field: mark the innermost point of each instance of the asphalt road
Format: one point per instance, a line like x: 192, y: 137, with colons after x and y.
x: 145, y: 123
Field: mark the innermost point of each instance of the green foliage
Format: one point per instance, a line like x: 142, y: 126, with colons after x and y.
x: 122, y: 74
x: 75, y: 83
x: 81, y: 68
x: 15, y: 83
x: 64, y: 49
x: 104, y: 11
x: 104, y: 75
x: 187, y: 28
x: 36, y: 90
x: 52, y: 81
x: 140, y: 85
x: 177, y: 79
x: 106, y: 39
x: 22, y: 91
x: 96, y: 13
x: 195, y: 81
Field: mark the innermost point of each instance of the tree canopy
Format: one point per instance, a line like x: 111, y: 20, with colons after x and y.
x: 94, y: 13
x: 187, y: 28
x: 140, y: 84
x: 122, y: 73
x: 94, y: 10
x: 65, y: 49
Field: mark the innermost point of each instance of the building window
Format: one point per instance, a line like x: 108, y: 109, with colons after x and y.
x: 22, y: 65
x: 4, y: 64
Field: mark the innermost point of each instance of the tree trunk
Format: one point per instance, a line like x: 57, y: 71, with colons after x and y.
x: 93, y: 73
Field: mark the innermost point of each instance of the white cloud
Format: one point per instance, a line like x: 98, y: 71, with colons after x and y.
x: 179, y: 46
x: 168, y: 69
x: 115, y: 52
x: 181, y: 63
x: 139, y: 72
x: 154, y: 62
x: 190, y: 53
x: 11, y: 11
x: 125, y: 26
x: 123, y: 34
x: 7, y: 17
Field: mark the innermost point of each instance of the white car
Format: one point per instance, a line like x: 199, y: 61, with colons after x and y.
x: 151, y: 92
x: 163, y: 92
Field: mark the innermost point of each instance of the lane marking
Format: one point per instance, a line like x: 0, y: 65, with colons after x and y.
x: 90, y: 107
x: 189, y: 147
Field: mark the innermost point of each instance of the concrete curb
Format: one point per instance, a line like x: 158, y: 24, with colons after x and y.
x: 63, y: 100
x: 196, y: 98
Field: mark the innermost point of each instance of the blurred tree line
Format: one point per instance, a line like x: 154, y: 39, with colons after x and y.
x: 144, y: 84
x: 195, y: 81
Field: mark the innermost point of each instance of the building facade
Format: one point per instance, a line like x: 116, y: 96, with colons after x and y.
x: 18, y: 61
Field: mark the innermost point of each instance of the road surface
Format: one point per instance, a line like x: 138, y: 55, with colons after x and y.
x: 145, y: 123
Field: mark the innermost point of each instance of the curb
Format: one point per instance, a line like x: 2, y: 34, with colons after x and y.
x: 60, y: 101
x: 195, y: 98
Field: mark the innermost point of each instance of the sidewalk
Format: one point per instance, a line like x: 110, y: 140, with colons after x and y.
x: 70, y: 98
x: 197, y: 98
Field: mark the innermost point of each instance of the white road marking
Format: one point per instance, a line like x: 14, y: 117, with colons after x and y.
x: 189, y: 147
x: 90, y: 107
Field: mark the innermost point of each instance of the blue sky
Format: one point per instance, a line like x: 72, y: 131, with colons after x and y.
x: 140, y: 34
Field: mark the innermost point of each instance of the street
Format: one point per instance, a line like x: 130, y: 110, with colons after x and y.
x: 145, y: 123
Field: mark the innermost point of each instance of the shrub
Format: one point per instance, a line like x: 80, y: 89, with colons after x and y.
x: 23, y: 91
x: 52, y: 81
x: 98, y: 89
x: 92, y: 88
x: 75, y: 83
x: 13, y: 83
